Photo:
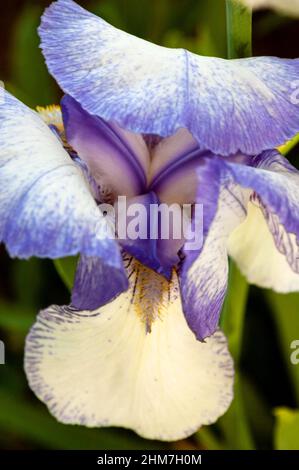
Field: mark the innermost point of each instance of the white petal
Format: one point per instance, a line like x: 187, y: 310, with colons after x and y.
x: 102, y: 368
x: 252, y: 246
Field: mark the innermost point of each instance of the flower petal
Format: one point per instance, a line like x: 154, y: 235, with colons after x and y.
x: 203, y: 278
x: 117, y: 159
x: 142, y: 237
x: 266, y: 245
x: 246, y: 104
x: 274, y: 183
x: 178, y: 184
x: 95, y: 285
x: 225, y: 190
x: 173, y: 169
x: 170, y: 151
x: 253, y: 248
x: 46, y: 207
x: 104, y: 369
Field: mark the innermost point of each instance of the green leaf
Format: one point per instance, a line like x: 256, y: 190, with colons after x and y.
x: 286, y: 435
x: 27, y: 64
x: 35, y: 423
x: 66, y: 268
x: 15, y: 318
x: 213, y: 29
x: 258, y: 413
x: 109, y: 10
x: 207, y: 439
x: 234, y: 423
x: 285, y: 311
x: 232, y: 318
x: 27, y: 282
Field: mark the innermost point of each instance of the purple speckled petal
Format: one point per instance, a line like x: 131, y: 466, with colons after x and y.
x: 226, y: 190
x: 247, y: 104
x: 203, y: 278
x: 266, y: 245
x: 117, y: 159
x: 46, y: 205
x: 133, y: 363
x: 95, y: 284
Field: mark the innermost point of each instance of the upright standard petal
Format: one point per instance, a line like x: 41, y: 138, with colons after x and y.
x: 105, y: 369
x: 118, y: 159
x: 171, y: 151
x: 177, y: 181
x: 173, y: 168
x: 46, y: 207
x: 246, y: 105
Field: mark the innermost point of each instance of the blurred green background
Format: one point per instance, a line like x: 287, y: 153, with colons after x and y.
x: 263, y: 415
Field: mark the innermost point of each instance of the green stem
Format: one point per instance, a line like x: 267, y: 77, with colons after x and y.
x: 239, y: 30
x: 234, y: 424
x: 239, y: 41
x: 233, y: 314
x: 66, y: 268
x: 290, y: 145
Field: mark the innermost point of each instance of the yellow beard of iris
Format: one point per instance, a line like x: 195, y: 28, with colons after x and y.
x: 52, y: 116
x: 151, y: 292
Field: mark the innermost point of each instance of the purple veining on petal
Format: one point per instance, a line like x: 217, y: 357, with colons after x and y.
x: 95, y: 285
x: 180, y: 161
x: 178, y: 182
x: 203, y: 277
x: 46, y: 206
x: 275, y: 182
x: 106, y: 149
x: 276, y: 191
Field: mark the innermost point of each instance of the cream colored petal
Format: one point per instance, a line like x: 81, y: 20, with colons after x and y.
x: 252, y: 246
x: 104, y: 368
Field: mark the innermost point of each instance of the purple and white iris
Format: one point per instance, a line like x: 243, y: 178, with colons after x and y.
x: 154, y: 125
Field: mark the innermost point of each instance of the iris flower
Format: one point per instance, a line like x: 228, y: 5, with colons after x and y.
x: 154, y: 125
